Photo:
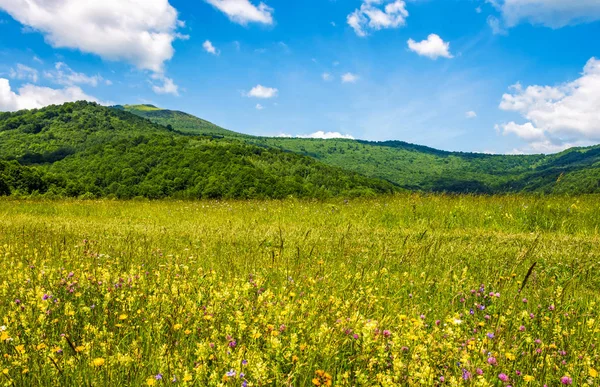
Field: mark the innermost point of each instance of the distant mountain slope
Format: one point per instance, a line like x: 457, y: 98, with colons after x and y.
x: 182, y: 121
x: 87, y: 149
x: 418, y: 167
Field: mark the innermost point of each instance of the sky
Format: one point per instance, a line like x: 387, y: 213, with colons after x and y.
x: 495, y: 76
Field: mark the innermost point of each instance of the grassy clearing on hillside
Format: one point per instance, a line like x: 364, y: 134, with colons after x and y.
x: 390, y: 291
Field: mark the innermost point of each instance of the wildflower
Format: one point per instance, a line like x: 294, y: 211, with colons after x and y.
x: 387, y: 333
x: 150, y: 382
x: 490, y: 335
x: 466, y: 375
x: 322, y: 378
x: 566, y: 380
x: 492, y: 361
x: 231, y: 374
x: 98, y: 362
x: 522, y: 328
x: 503, y: 377
x: 45, y: 297
x: 528, y: 378
x: 123, y: 317
x: 244, y: 362
x: 479, y: 371
x: 593, y: 373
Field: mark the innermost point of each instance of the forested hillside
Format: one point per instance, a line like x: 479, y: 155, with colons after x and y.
x: 416, y: 167
x: 84, y: 149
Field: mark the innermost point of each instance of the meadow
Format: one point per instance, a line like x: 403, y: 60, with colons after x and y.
x: 393, y: 291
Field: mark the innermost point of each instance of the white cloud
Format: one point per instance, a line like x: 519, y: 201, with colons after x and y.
x: 64, y: 75
x: 327, y: 77
x: 259, y: 106
x: 374, y: 15
x: 433, y: 48
x: 33, y: 97
x: 560, y: 115
x: 167, y: 87
x: 243, y: 11
x: 260, y: 91
x: 208, y: 47
x: 471, y: 114
x: 550, y: 13
x: 140, y: 32
x: 349, y: 78
x: 320, y: 134
x: 24, y: 73
x: 496, y: 25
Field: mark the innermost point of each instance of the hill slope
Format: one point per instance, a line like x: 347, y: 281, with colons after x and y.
x: 182, y: 121
x: 417, y: 167
x: 87, y: 149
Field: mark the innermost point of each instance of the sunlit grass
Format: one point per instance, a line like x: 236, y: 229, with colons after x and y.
x: 391, y: 291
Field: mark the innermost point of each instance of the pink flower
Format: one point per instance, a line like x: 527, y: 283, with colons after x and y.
x: 492, y: 361
x: 566, y: 380
x: 503, y: 377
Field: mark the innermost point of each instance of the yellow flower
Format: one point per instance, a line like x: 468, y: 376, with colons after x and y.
x: 4, y: 336
x: 123, y: 317
x: 79, y: 348
x: 510, y: 356
x: 20, y: 349
x: 177, y: 327
x: 593, y: 373
x: 41, y: 346
x: 187, y: 377
x: 187, y: 332
x: 5, y: 371
x: 528, y: 378
x: 150, y: 382
x: 98, y: 362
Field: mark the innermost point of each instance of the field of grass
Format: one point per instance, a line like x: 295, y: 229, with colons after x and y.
x: 393, y: 291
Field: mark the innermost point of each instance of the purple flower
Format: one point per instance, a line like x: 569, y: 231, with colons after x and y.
x: 242, y: 375
x: 490, y: 335
x: 232, y: 344
x: 503, y: 377
x: 244, y: 362
x: 566, y: 380
x: 158, y: 377
x: 231, y: 374
x: 244, y: 384
x: 45, y: 297
x: 466, y: 375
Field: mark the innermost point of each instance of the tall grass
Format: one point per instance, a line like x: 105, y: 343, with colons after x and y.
x: 391, y: 291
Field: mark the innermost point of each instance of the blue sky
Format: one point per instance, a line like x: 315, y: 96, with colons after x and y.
x: 504, y: 76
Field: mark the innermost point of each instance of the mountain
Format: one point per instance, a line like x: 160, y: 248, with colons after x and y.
x: 86, y: 149
x: 416, y: 167
x: 184, y: 122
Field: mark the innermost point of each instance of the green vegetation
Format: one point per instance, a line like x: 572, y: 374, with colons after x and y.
x: 181, y: 121
x: 393, y: 291
x: 83, y: 149
x: 415, y: 167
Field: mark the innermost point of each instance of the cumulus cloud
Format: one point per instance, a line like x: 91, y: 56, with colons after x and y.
x: 349, y: 78
x: 259, y: 106
x: 24, y: 73
x: 471, y: 114
x: 374, y: 15
x: 165, y: 85
x: 260, y: 91
x: 433, y: 47
x: 243, y: 11
x: 208, y: 47
x: 322, y: 135
x: 34, y: 97
x: 557, y: 116
x: 550, y: 13
x: 64, y: 75
x: 140, y: 32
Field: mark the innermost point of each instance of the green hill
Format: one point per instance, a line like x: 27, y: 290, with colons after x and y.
x: 86, y: 149
x: 182, y: 121
x: 416, y: 167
